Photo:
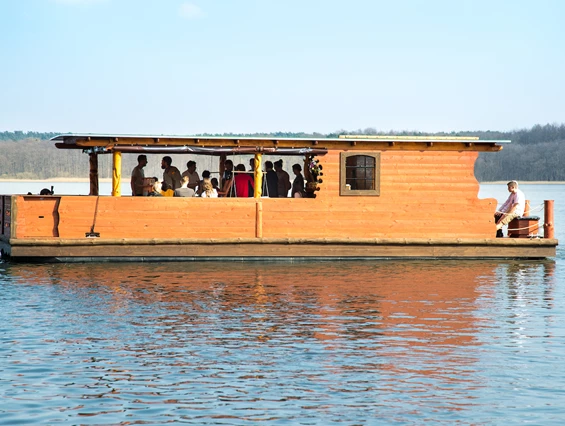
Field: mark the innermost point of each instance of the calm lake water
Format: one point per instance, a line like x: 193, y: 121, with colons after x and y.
x: 313, y: 343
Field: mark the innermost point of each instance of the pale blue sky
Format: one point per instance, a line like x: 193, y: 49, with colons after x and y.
x: 178, y: 67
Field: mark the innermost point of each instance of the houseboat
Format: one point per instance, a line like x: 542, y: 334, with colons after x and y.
x: 366, y: 197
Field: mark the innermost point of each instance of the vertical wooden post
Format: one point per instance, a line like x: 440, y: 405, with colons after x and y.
x: 258, y: 175
x: 13, y: 217
x: 116, y: 174
x: 527, y: 209
x: 548, y: 230
x: 93, y: 160
x: 257, y: 194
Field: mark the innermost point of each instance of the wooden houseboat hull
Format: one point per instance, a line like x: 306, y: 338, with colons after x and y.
x: 416, y: 199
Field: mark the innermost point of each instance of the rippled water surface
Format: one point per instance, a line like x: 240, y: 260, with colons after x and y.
x: 281, y: 343
x: 387, y: 342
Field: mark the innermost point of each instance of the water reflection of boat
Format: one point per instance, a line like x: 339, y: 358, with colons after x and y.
x: 394, y: 340
x: 398, y: 312
x: 379, y: 197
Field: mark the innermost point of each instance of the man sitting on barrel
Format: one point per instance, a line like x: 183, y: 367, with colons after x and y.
x: 512, y: 208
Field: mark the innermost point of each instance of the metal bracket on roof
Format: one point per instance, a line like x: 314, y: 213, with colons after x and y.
x: 95, y: 150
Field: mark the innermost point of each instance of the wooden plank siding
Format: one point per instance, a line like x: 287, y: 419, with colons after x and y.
x: 158, y: 217
x: 424, y: 194
x: 37, y: 216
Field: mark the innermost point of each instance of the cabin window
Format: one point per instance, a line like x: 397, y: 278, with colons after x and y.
x: 360, y: 173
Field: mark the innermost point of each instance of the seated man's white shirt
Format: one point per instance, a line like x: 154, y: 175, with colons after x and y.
x: 517, y: 197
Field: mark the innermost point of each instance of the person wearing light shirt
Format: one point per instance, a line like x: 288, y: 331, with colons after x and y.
x: 137, y: 176
x: 192, y: 174
x: 184, y: 190
x: 512, y: 208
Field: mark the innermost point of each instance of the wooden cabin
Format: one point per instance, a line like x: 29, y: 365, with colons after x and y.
x: 375, y: 197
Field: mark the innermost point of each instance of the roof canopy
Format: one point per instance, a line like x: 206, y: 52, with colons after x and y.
x: 218, y: 145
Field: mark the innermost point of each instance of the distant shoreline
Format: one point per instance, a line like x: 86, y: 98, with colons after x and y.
x: 77, y: 180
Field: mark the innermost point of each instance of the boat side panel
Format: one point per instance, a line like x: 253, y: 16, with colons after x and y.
x: 427, y: 194
x: 37, y: 216
x: 423, y: 195
x: 157, y: 217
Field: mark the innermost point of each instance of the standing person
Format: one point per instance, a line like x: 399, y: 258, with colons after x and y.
x: 242, y: 181
x: 298, y: 183
x: 512, y: 208
x: 228, y: 171
x: 270, y: 181
x: 192, y: 174
x: 137, y: 176
x: 227, y: 189
x: 252, y: 175
x: 284, y: 179
x: 171, y: 175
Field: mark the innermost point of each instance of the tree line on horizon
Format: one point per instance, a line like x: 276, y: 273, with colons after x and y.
x: 535, y: 154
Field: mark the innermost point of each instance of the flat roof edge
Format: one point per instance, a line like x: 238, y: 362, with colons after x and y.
x: 342, y: 138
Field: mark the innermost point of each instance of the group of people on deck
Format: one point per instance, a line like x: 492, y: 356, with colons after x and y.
x: 235, y: 182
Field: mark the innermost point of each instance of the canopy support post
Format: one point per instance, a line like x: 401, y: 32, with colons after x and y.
x: 93, y: 161
x: 222, y: 168
x: 116, y: 173
x: 258, y: 175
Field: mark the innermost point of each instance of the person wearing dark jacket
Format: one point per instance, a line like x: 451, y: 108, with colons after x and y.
x: 270, y: 181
